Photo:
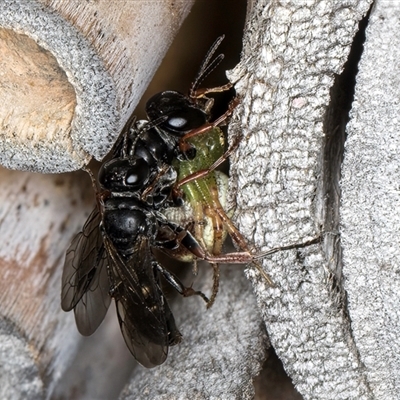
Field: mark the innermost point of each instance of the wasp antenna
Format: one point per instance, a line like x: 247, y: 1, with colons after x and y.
x: 154, y: 123
x: 208, y: 65
x: 209, y: 55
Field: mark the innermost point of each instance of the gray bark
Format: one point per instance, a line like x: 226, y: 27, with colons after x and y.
x: 333, y: 321
x: 285, y: 180
x: 370, y: 207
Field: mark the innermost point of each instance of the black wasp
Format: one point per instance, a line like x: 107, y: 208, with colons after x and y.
x: 112, y: 256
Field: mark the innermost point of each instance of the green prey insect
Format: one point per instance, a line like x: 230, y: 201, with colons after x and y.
x: 202, y: 187
x: 204, y: 190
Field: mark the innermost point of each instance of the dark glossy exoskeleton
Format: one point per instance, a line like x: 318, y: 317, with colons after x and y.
x: 112, y: 256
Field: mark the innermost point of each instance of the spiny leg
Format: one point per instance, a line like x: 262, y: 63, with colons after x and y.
x: 235, y: 234
x: 239, y: 257
x: 184, y: 146
x: 199, y: 218
x: 218, y: 239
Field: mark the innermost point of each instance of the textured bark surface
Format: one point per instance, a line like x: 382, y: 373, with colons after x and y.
x: 286, y: 178
x: 222, y: 349
x: 72, y: 73
x: 333, y: 321
x: 371, y: 202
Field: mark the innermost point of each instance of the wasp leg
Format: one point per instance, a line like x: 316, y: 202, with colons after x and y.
x: 100, y: 196
x: 174, y: 336
x: 200, y: 93
x: 217, y: 249
x: 175, y: 282
x: 184, y: 146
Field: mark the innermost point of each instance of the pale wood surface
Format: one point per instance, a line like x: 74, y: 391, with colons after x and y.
x: 370, y: 211
x: 39, y: 214
x: 69, y: 103
x: 71, y: 74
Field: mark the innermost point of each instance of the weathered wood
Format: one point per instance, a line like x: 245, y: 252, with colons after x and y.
x: 286, y: 174
x: 39, y: 214
x: 72, y: 73
x: 38, y: 104
x: 283, y: 172
x: 370, y: 211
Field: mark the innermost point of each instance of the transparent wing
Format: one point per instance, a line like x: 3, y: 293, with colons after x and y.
x: 85, y: 283
x: 143, y: 313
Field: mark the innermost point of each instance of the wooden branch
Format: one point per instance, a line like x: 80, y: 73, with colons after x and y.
x: 370, y: 215
x: 330, y: 320
x: 39, y: 214
x: 72, y: 73
x: 286, y: 175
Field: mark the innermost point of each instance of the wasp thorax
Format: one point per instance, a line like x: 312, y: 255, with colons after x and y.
x: 124, y: 226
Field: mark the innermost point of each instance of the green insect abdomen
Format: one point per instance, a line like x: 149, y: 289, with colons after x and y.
x: 209, y: 147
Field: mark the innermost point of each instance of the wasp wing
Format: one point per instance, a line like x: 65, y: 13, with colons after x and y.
x: 144, y: 316
x: 85, y: 283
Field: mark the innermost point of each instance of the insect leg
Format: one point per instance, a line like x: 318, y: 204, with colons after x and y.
x: 175, y: 282
x: 190, y: 243
x: 235, y: 234
x: 204, y: 172
x: 200, y: 93
x: 217, y: 249
x: 184, y: 146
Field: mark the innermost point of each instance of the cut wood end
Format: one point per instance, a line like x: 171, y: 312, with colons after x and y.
x: 38, y: 107
x: 71, y: 84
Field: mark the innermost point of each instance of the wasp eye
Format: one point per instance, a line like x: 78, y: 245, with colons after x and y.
x: 132, y: 178
x: 124, y: 174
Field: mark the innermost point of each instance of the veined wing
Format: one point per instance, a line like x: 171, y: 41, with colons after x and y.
x: 85, y: 283
x: 143, y: 314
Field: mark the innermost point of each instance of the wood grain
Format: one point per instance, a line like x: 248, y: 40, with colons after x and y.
x: 39, y: 214
x: 72, y: 73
